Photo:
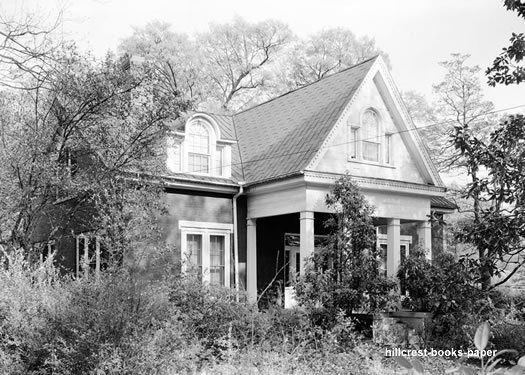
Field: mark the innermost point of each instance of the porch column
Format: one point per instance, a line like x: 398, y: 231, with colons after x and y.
x: 424, y: 234
x: 393, y: 257
x: 306, y: 243
x: 251, y: 260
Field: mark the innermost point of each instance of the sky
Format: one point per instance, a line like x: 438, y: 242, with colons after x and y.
x: 417, y: 34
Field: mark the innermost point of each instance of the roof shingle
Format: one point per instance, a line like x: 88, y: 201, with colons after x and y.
x: 282, y: 135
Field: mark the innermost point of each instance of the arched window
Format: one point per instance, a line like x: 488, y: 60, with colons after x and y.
x: 370, y: 135
x: 198, y: 144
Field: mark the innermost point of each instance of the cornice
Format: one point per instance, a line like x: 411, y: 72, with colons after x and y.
x: 370, y: 183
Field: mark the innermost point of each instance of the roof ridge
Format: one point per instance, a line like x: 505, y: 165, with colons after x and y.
x: 308, y: 84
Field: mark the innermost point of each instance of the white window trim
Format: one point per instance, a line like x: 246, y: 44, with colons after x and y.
x: 206, y: 229
x: 46, y: 246
x: 215, y: 143
x: 382, y: 135
x: 85, y: 255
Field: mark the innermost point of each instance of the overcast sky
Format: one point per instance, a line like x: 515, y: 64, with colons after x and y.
x: 417, y: 34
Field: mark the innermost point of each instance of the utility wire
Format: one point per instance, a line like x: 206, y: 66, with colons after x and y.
x: 360, y: 140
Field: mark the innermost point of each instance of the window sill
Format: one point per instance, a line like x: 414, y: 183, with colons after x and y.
x: 376, y: 164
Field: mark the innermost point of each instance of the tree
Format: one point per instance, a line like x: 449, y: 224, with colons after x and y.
x: 27, y: 52
x: 176, y: 57
x: 237, y: 55
x: 460, y: 105
x: 219, y: 70
x: 508, y: 68
x: 71, y: 132
x: 345, y: 274
x: 497, y: 229
x: 324, y: 53
x: 495, y: 165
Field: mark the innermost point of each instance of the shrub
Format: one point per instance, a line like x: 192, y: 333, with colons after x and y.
x: 345, y: 274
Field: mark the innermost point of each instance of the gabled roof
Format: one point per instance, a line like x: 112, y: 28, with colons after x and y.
x: 280, y: 137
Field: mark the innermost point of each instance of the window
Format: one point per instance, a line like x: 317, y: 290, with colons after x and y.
x: 198, y: 143
x: 353, y: 142
x: 370, y: 136
x: 206, y: 249
x: 388, y: 148
x: 217, y: 266
x: 194, y: 244
x: 45, y: 249
x: 92, y: 255
x: 367, y: 140
x: 218, y: 161
x: 199, y: 149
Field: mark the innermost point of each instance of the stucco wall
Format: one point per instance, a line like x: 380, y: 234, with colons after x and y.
x: 402, y: 167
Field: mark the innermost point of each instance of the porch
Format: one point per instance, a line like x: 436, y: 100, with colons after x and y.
x: 279, y: 245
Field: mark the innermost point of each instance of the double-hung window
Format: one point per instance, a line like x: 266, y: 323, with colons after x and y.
x: 198, y: 148
x: 370, y: 136
x: 91, y: 254
x: 45, y: 249
x: 206, y: 250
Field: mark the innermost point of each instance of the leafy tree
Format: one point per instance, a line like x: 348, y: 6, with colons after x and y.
x: 495, y: 164
x: 70, y: 132
x: 327, y: 52
x: 176, y: 58
x: 508, y: 68
x: 345, y: 275
x: 497, y: 228
x: 238, y: 64
x: 460, y: 104
x: 236, y: 55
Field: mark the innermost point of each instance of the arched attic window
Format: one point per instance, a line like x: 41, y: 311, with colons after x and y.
x: 199, y: 149
x: 370, y: 135
x: 198, y: 143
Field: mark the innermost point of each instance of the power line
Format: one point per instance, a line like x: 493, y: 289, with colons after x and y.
x: 359, y: 140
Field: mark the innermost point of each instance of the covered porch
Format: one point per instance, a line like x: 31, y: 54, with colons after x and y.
x: 286, y: 222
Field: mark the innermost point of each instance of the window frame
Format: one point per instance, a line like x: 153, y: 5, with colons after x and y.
x: 87, y: 237
x: 356, y: 143
x: 47, y: 248
x: 368, y: 140
x: 206, y: 230
x: 210, y: 155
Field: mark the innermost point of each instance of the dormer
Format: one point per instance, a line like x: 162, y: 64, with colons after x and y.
x: 199, y: 149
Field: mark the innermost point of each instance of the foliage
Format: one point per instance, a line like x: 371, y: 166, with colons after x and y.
x: 70, y: 131
x: 442, y: 286
x: 234, y: 65
x: 488, y: 365
x: 508, y: 68
x: 498, y: 228
x: 345, y: 274
x: 327, y: 52
x: 460, y: 105
x: 122, y: 323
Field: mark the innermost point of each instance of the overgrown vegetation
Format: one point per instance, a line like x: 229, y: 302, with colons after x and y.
x: 123, y: 324
x: 345, y: 275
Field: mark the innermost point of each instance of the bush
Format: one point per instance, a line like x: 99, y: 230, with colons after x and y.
x: 121, y: 324
x: 344, y: 275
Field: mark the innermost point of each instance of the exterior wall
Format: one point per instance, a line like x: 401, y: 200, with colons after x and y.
x: 61, y: 222
x: 402, y: 168
x: 191, y: 206
x: 386, y: 204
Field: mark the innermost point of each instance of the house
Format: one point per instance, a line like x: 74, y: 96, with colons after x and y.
x: 246, y: 193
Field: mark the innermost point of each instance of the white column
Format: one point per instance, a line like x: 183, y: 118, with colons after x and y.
x: 306, y: 243
x: 393, y: 256
x: 424, y: 234
x: 251, y: 260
